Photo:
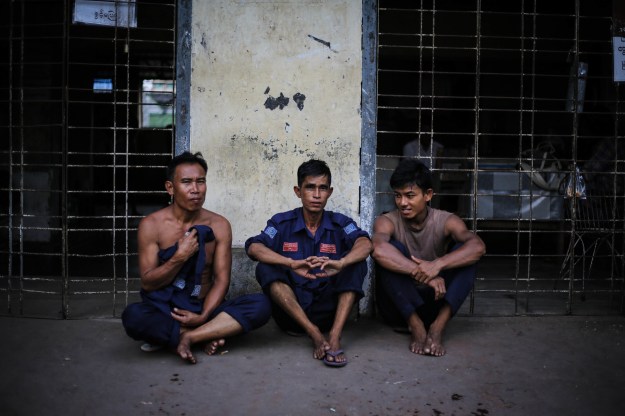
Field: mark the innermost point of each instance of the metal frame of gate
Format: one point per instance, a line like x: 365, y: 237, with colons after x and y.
x: 81, y: 169
x: 498, y: 83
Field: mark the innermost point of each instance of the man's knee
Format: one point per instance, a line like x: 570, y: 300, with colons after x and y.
x: 279, y: 290
x: 267, y: 274
x: 132, y: 319
x: 261, y: 309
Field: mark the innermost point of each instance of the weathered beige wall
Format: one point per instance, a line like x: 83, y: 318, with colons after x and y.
x: 242, y: 48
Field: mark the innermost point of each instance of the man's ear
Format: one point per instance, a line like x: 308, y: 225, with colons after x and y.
x: 428, y: 194
x: 169, y: 187
x: 297, y: 191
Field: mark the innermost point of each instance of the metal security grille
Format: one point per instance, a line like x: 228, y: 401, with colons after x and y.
x: 514, y: 107
x: 87, y: 127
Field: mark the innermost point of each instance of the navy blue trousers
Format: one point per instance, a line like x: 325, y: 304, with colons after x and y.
x: 146, y: 321
x: 318, y: 298
x: 398, y: 295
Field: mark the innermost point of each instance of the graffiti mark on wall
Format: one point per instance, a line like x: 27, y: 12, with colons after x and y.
x: 323, y: 42
x: 280, y: 102
x: 273, y: 103
x: 299, y: 100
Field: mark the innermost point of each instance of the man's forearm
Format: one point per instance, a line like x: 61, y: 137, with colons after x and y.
x: 266, y: 255
x: 214, y: 298
x: 469, y: 253
x: 388, y: 257
x: 162, y: 275
x: 359, y: 252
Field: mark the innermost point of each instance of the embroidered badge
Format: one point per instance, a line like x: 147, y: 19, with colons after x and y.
x: 327, y: 248
x: 289, y: 246
x: 196, y: 290
x: 350, y: 228
x: 271, y: 232
x: 179, y: 283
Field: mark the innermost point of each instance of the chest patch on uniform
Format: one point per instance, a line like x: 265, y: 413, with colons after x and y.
x: 327, y: 248
x: 271, y: 232
x: 350, y: 228
x: 289, y: 246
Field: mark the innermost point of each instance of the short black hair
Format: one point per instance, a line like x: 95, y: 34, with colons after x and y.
x: 313, y: 167
x: 411, y: 172
x: 185, y: 157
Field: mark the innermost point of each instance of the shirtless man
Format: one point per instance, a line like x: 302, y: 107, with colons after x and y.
x: 185, y: 263
x: 420, y: 281
x: 312, y: 264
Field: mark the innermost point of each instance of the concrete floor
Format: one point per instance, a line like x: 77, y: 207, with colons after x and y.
x: 494, y: 366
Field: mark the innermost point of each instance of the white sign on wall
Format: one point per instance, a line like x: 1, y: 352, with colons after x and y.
x: 105, y: 13
x: 618, y: 44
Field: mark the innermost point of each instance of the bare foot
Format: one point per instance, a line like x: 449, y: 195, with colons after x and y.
x: 335, y: 345
x: 320, y: 346
x: 418, y: 335
x: 211, y: 347
x: 418, y: 342
x: 434, y: 345
x: 184, y: 349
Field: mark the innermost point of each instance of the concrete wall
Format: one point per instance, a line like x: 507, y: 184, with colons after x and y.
x: 245, y: 56
x: 248, y: 58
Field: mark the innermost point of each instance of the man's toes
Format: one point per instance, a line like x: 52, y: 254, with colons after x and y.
x: 416, y: 348
x: 438, y: 350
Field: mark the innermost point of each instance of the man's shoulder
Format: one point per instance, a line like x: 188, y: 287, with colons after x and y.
x: 157, y: 217
x: 211, y: 217
x: 441, y: 213
x: 218, y: 223
x: 280, y: 217
x: 338, y: 218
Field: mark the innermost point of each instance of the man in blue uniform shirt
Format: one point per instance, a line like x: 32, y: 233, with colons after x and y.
x: 312, y: 264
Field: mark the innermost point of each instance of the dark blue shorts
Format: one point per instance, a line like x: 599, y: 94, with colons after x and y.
x: 146, y: 321
x: 318, y: 298
x: 398, y: 296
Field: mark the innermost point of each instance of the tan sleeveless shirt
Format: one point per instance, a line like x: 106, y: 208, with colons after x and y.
x: 430, y: 242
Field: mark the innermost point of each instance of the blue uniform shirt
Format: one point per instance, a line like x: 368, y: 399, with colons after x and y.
x: 286, y: 234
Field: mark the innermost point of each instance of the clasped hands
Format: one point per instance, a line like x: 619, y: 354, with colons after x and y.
x: 427, y: 273
x: 314, y: 267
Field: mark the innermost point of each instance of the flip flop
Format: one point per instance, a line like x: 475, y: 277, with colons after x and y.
x: 402, y: 329
x: 334, y: 354
x: 147, y: 347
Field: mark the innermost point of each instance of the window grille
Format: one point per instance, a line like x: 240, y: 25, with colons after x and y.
x: 507, y: 99
x: 78, y: 169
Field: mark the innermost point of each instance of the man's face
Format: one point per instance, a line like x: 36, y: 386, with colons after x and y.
x: 411, y: 200
x: 188, y: 187
x: 314, y: 193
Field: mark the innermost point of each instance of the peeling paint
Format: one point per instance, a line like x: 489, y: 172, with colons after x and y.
x: 299, y: 100
x: 273, y: 103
